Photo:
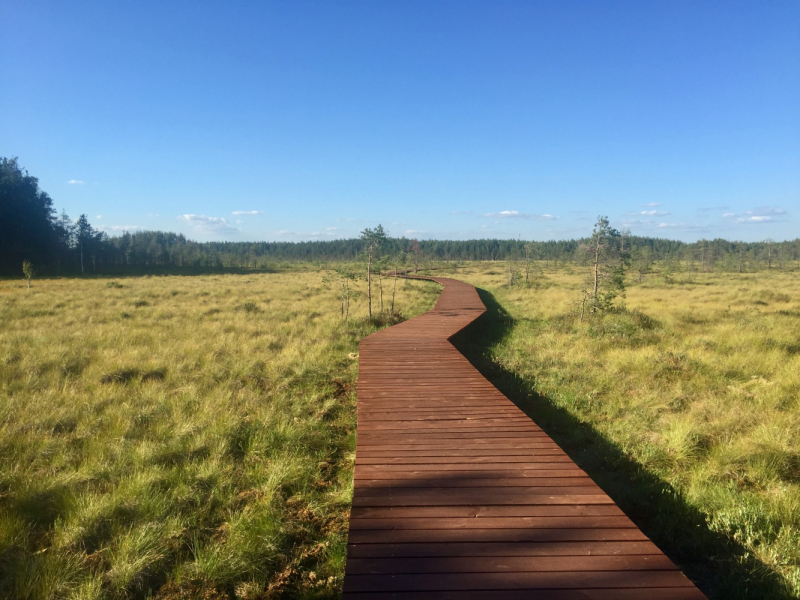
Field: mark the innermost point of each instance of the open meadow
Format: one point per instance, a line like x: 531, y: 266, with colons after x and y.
x: 179, y: 436
x: 684, y: 406
x: 193, y: 436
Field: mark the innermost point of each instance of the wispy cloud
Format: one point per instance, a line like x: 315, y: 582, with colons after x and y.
x: 243, y: 213
x: 513, y: 214
x: 204, y: 224
x: 650, y: 213
x: 76, y: 182
x: 760, y: 214
x: 652, y: 204
x: 651, y: 224
x: 415, y: 231
x: 755, y: 219
x: 118, y: 227
x: 712, y: 208
x: 771, y: 211
x: 328, y: 232
x: 683, y: 226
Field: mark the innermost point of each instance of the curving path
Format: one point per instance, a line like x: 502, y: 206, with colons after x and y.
x: 459, y: 495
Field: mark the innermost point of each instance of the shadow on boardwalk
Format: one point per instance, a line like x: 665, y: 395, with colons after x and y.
x: 720, y: 567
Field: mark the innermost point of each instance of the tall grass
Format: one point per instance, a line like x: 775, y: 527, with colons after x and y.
x: 177, y: 437
x: 691, y: 390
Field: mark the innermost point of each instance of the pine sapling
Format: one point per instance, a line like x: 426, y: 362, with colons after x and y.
x: 27, y: 270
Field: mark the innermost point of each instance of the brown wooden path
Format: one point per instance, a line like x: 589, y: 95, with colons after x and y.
x: 459, y: 495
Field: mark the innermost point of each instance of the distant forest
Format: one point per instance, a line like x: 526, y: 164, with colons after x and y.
x: 30, y: 229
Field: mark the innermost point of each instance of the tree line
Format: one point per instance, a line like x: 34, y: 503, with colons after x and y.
x: 31, y: 230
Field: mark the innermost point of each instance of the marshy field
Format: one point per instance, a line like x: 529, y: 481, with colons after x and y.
x: 193, y: 436
x: 176, y: 437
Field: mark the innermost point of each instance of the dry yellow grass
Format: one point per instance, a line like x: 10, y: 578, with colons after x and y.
x: 170, y: 436
x: 696, y: 383
x: 182, y: 435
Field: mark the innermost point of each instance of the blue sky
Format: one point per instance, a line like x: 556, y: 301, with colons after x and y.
x: 312, y: 120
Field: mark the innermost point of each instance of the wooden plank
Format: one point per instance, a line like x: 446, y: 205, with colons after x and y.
x: 458, y: 494
x: 543, y: 534
x: 516, y: 522
x: 509, y: 564
x: 528, y: 580
x: 502, y: 496
x: 530, y: 549
x: 473, y: 512
x: 651, y: 593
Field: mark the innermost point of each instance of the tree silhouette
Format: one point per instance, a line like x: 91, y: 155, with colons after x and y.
x: 27, y: 218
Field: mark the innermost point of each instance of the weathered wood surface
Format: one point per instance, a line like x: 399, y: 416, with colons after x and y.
x: 459, y: 495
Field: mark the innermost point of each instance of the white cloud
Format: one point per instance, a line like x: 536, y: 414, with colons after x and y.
x: 204, y: 224
x: 649, y: 224
x: 414, y: 231
x: 242, y: 213
x: 75, y: 182
x: 651, y: 213
x: 118, y: 227
x: 99, y: 217
x: 652, y: 204
x: 761, y: 214
x: 514, y: 214
x: 328, y: 232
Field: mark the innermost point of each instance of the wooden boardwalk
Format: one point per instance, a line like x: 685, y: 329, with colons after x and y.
x: 459, y: 495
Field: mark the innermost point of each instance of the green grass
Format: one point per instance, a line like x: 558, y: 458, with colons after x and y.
x: 176, y: 437
x: 193, y: 436
x: 684, y: 406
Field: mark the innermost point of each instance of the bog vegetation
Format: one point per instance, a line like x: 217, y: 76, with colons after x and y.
x: 176, y: 437
x: 681, y: 399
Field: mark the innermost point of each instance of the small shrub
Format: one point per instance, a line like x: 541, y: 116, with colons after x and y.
x: 141, y: 303
x: 249, y: 307
x: 120, y: 376
x: 114, y: 285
